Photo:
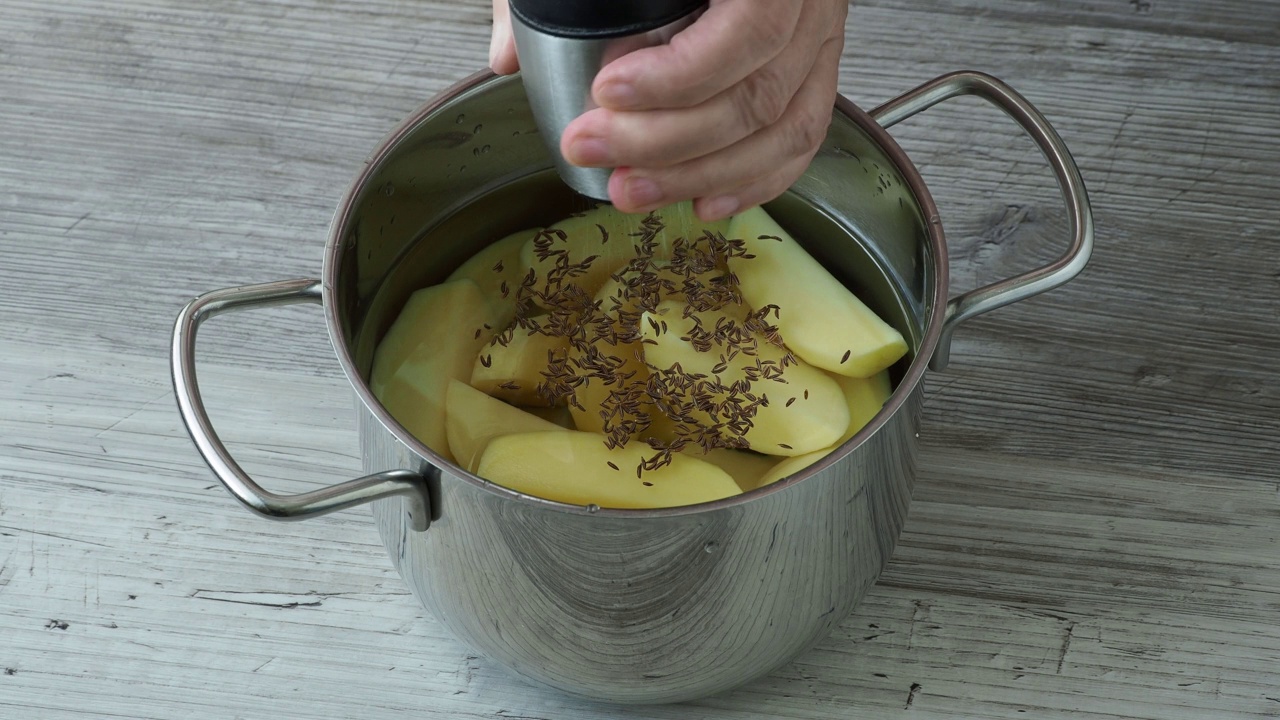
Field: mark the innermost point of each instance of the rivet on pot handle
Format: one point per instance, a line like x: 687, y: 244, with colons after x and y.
x: 403, y: 483
x: 1021, y: 287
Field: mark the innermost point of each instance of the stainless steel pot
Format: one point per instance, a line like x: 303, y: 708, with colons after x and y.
x: 629, y: 605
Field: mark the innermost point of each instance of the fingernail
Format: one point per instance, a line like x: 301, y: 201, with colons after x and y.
x: 590, y: 152
x: 617, y: 95
x: 643, y: 192
x: 719, y: 208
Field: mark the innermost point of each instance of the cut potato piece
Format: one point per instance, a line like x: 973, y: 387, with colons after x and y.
x: 603, y: 232
x: 513, y: 371
x: 746, y: 468
x: 475, y: 418
x: 593, y: 395
x: 807, y: 412
x: 607, y: 234
x: 417, y: 320
x: 595, y: 392
x: 495, y: 265
x: 575, y: 467
x: 820, y: 319
x: 415, y: 392
x: 610, y: 296
x: 627, y: 317
x: 791, y: 466
x: 865, y: 397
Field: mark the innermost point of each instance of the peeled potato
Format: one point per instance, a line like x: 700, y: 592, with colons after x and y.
x: 496, y: 264
x: 821, y: 321
x: 865, y: 397
x: 513, y: 371
x: 595, y: 392
x: 574, y: 467
x: 670, y: 286
x: 474, y: 419
x: 610, y: 295
x: 593, y: 395
x: 415, y: 393
x: 607, y: 234
x: 416, y: 321
x: 783, y: 428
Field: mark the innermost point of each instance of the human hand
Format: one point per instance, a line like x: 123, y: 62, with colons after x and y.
x: 729, y: 113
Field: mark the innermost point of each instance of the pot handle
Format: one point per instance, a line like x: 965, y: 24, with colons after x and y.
x: 392, y: 483
x: 1048, y: 277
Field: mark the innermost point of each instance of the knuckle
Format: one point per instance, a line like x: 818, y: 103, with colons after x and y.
x: 763, y: 35
x: 807, y: 131
x: 767, y: 32
x: 762, y: 99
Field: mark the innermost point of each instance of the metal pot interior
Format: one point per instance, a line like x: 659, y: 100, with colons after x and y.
x: 470, y: 168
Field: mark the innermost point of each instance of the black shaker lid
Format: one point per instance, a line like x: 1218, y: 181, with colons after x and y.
x: 600, y: 18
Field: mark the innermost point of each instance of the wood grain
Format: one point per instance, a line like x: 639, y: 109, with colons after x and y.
x: 1094, y: 528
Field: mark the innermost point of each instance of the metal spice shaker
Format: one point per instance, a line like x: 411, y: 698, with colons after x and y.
x: 562, y: 44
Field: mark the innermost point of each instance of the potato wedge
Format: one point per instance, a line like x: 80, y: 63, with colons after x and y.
x: 497, y: 264
x: 593, y: 395
x: 865, y: 397
x: 609, y: 235
x: 473, y: 419
x: 820, y: 319
x: 513, y: 371
x: 416, y: 321
x: 807, y: 412
x: 576, y: 467
x: 440, y: 323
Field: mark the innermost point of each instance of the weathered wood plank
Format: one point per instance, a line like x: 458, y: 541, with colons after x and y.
x: 1093, y: 532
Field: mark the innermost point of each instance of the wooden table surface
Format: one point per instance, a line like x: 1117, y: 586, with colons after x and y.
x: 1096, y: 528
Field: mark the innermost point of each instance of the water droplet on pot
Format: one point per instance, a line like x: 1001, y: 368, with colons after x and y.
x: 477, y: 129
x: 917, y: 435
x: 593, y: 508
x: 710, y: 547
x: 461, y: 119
x: 388, y: 189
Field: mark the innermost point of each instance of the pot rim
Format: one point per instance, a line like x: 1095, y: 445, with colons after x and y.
x: 910, y: 381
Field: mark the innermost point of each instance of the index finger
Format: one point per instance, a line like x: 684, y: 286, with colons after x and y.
x: 732, y: 39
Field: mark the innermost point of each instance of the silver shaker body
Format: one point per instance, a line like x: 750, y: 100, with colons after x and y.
x: 558, y: 73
